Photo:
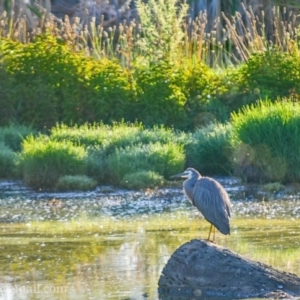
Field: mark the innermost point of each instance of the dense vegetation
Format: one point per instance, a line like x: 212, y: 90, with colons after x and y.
x: 64, y: 86
x: 259, y: 144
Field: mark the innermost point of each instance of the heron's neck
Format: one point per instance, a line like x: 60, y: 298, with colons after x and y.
x: 189, y: 185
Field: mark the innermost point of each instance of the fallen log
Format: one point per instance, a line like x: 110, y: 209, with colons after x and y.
x: 200, y: 269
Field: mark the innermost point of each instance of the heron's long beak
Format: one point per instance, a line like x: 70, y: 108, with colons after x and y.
x: 180, y: 175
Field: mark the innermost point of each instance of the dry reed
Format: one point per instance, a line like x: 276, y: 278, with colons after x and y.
x: 225, y: 41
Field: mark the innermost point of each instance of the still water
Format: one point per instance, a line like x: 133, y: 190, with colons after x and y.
x: 114, y: 244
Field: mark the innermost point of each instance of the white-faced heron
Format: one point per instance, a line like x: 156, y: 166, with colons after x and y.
x: 211, y: 199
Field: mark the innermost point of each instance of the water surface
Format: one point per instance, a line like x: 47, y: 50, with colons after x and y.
x: 111, y: 244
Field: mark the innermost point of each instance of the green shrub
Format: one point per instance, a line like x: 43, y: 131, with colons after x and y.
x: 233, y: 93
x: 8, y: 107
x: 75, y: 183
x: 266, y: 141
x: 102, y: 141
x: 273, y: 187
x: 160, y: 96
x: 97, y: 164
x: 13, y: 135
x: 49, y: 73
x: 272, y: 73
x: 108, y: 94
x: 142, y: 180
x: 203, y: 85
x: 62, y: 85
x: 268, y: 74
x: 43, y: 161
x: 209, y: 149
x: 164, y: 159
x: 7, y: 162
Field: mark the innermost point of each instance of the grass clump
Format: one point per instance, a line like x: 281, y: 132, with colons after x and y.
x: 266, y: 141
x: 43, y: 161
x: 273, y: 187
x: 164, y: 159
x: 7, y: 161
x: 13, y: 135
x: 105, y: 153
x: 97, y: 164
x: 75, y: 183
x: 209, y: 149
x: 142, y: 180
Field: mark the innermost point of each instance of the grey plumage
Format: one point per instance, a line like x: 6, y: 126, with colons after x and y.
x: 209, y: 196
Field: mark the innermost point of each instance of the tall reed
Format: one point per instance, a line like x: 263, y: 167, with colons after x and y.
x: 163, y: 29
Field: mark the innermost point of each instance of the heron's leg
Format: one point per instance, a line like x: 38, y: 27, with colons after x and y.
x: 214, y: 230
x: 210, y: 229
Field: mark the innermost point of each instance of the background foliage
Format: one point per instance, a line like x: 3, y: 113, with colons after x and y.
x: 164, y: 71
x: 265, y: 140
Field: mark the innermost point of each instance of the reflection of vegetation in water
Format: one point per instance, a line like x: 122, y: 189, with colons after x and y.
x: 113, y: 254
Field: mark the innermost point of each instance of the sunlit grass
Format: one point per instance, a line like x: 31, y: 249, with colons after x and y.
x: 265, y: 137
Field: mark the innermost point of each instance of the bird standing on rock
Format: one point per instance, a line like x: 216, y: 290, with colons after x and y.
x: 210, y: 198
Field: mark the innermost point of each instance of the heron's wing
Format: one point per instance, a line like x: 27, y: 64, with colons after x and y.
x: 213, y: 202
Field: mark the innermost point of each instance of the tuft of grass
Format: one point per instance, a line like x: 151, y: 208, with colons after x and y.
x: 75, y: 183
x: 266, y: 141
x: 97, y: 164
x: 142, y: 180
x: 43, y: 161
x: 209, y: 150
x: 13, y: 135
x: 164, y: 159
x: 273, y: 187
x: 7, y: 162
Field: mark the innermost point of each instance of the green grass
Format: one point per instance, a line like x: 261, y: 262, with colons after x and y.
x: 142, y: 180
x: 209, y: 150
x: 120, y: 149
x: 7, y: 161
x: 13, y: 135
x: 102, y: 154
x: 261, y: 143
x: 43, y: 161
x: 266, y: 141
x: 164, y: 159
x: 119, y: 135
x: 75, y: 183
x: 273, y: 187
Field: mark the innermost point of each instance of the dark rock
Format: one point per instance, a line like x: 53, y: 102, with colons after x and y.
x: 200, y: 269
